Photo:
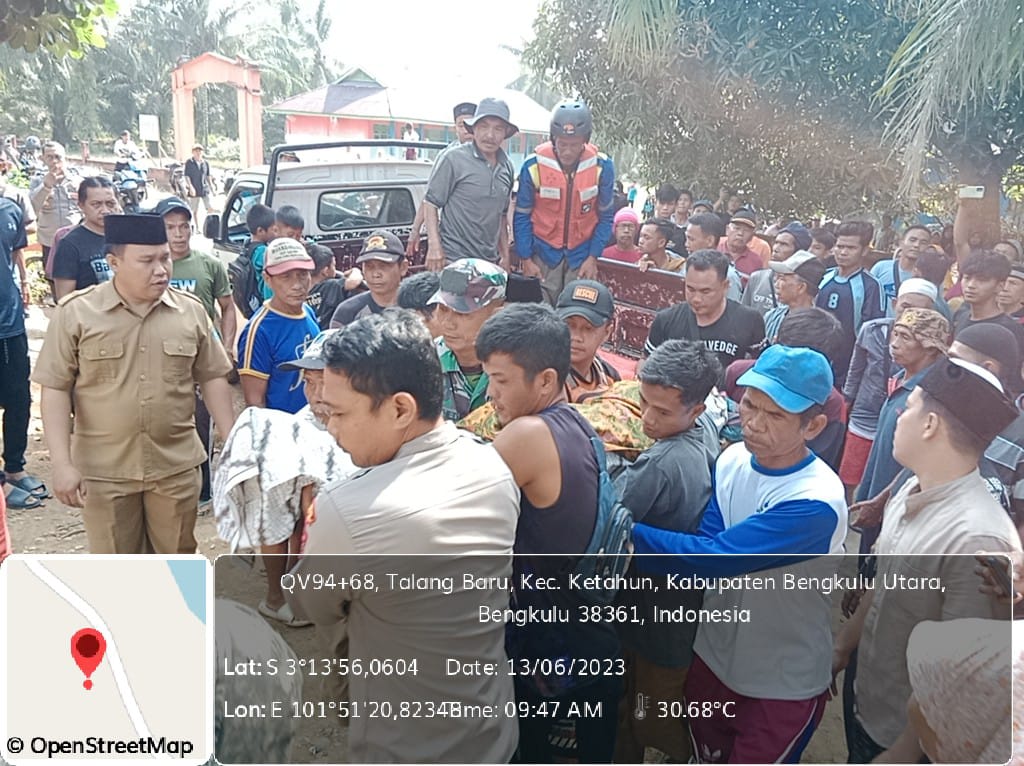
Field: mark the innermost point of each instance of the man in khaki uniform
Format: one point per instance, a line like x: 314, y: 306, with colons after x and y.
x: 125, y: 355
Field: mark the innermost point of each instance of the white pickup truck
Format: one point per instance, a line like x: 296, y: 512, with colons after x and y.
x: 343, y: 189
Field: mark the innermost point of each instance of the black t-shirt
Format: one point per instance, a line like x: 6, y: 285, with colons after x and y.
x: 198, y: 175
x: 677, y: 244
x: 324, y: 298
x: 962, y: 320
x: 80, y: 256
x: 731, y: 337
x: 354, y: 308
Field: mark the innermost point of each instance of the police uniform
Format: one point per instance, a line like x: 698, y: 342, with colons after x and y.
x: 132, y: 382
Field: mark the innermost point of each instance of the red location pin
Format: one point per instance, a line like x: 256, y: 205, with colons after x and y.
x: 87, y: 648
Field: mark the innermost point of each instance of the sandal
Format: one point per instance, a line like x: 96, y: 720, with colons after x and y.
x: 32, y: 485
x: 20, y: 500
x: 283, y: 615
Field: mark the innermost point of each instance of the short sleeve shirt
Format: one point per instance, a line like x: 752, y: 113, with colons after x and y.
x: 203, y: 276
x: 731, y: 337
x: 20, y: 198
x: 133, y: 381
x: 269, y: 339
x: 962, y: 320
x: 81, y: 257
x: 12, y: 237
x: 324, y: 298
x: 356, y: 307
x: 473, y: 198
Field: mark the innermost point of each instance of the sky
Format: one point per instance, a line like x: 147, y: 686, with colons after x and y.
x: 430, y: 39
x: 417, y: 41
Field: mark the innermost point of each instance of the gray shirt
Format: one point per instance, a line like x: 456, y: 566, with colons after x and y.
x: 870, y: 370
x: 760, y: 291
x: 473, y: 198
x: 668, y: 486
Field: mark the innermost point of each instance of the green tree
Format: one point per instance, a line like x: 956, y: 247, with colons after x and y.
x: 48, y: 95
x: 775, y: 97
x: 956, y: 85
x: 60, y: 26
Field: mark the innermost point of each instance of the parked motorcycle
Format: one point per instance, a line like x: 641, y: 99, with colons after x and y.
x: 131, y: 181
x: 129, y: 193
x: 30, y: 158
x: 176, y: 173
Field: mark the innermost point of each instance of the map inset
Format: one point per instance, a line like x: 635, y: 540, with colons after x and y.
x: 105, y: 657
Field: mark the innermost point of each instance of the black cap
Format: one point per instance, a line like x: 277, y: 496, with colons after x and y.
x: 997, y: 343
x: 744, y: 216
x: 589, y: 299
x: 382, y: 245
x: 466, y: 109
x: 172, y: 205
x: 142, y: 229
x: 954, y: 382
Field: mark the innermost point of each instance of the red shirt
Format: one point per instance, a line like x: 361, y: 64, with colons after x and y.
x: 613, y: 252
x: 748, y: 262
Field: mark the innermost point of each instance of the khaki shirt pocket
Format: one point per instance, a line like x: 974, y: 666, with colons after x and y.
x: 100, y: 361
x: 178, y: 358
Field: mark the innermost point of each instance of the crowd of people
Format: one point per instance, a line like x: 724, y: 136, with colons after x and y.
x: 799, y: 394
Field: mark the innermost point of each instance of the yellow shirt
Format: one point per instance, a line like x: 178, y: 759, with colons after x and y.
x: 133, y: 380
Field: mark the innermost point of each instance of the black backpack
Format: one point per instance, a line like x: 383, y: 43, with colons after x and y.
x: 245, y: 289
x: 611, y: 545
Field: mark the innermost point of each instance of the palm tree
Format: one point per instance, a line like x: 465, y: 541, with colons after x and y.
x: 958, y: 58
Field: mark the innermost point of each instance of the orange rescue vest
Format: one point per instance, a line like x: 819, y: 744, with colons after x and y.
x: 565, y: 206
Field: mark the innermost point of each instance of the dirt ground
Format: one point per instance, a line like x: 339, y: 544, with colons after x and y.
x: 55, y: 528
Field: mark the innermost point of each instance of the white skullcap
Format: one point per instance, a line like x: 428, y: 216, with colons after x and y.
x: 919, y: 286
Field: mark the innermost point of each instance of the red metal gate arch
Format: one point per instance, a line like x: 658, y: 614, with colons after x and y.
x: 214, y: 68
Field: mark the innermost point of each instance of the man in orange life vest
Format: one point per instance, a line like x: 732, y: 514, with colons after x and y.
x: 565, y: 204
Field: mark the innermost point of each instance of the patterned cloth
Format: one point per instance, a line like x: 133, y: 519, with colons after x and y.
x: 958, y: 673
x: 268, y: 458
x: 614, y: 415
x: 241, y: 632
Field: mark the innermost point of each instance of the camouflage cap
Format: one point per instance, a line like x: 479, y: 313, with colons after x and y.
x: 470, y: 284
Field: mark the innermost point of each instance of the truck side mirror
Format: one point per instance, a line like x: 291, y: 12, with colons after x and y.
x: 211, y: 228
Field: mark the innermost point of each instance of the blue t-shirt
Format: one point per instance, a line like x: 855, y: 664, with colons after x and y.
x: 853, y: 300
x: 890, y: 276
x: 12, y: 237
x: 267, y: 340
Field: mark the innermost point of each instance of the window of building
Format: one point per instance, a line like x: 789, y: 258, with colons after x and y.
x: 382, y: 130
x: 435, y: 133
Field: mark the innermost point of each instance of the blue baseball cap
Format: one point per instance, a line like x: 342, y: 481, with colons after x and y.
x: 795, y: 378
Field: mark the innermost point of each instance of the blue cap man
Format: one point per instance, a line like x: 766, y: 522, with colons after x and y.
x: 776, y: 509
x: 795, y: 378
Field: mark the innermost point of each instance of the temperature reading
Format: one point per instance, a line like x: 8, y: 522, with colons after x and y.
x: 696, y: 709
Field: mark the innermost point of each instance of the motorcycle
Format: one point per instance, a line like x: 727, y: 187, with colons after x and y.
x: 129, y: 193
x: 131, y: 181
x: 176, y: 173
x: 29, y: 157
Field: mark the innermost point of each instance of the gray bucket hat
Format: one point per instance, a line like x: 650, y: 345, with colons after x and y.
x: 493, y: 107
